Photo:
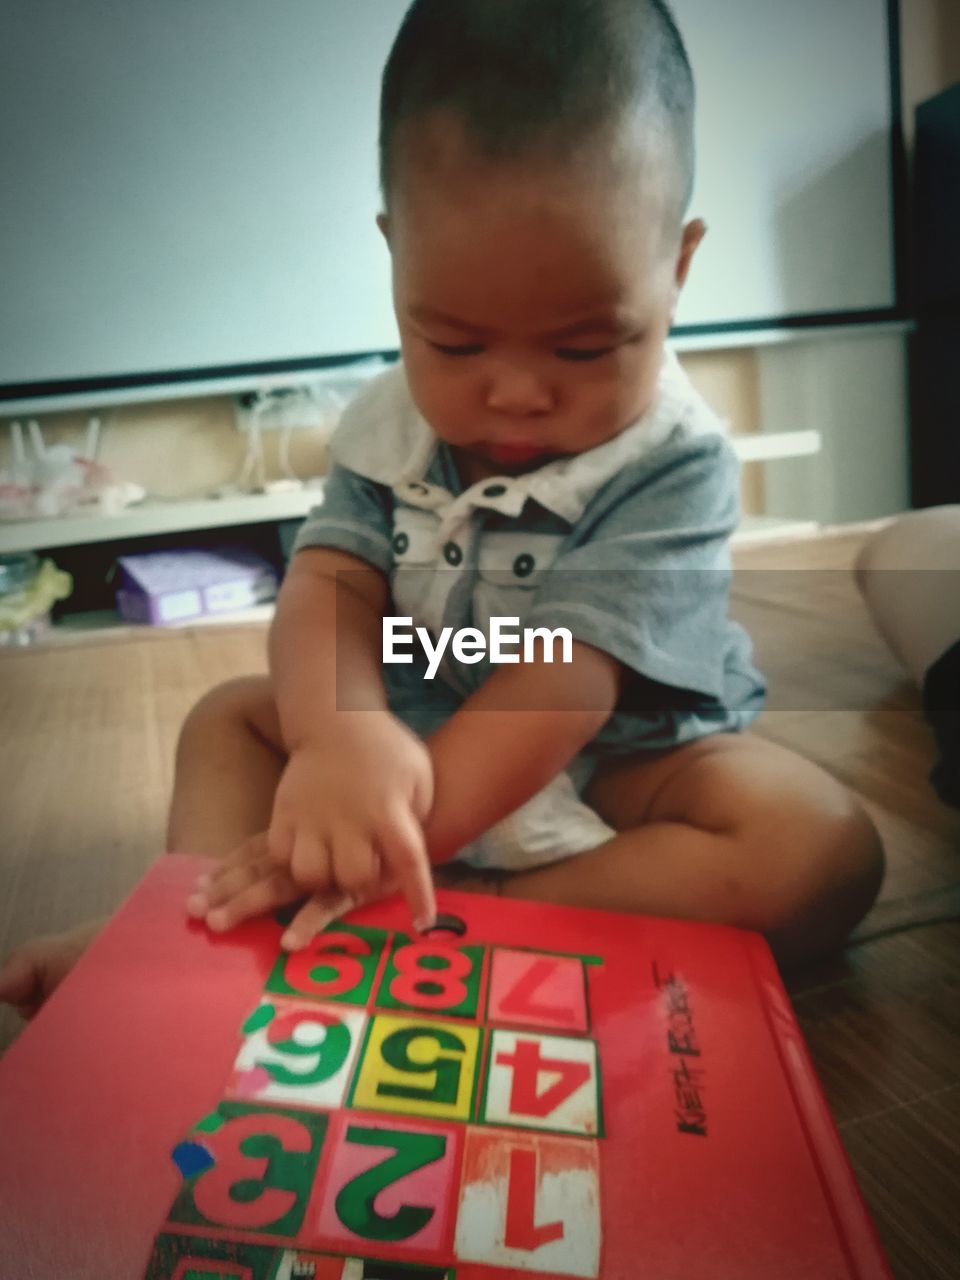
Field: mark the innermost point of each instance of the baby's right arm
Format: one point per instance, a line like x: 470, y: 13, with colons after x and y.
x: 358, y: 785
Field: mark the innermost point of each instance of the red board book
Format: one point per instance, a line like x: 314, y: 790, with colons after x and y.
x: 533, y: 1092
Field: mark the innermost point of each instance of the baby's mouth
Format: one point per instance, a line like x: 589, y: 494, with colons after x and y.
x: 514, y: 454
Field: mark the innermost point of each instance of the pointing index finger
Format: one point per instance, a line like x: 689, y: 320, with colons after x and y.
x: 405, y: 853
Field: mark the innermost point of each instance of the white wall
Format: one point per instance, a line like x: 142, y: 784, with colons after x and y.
x: 189, y: 184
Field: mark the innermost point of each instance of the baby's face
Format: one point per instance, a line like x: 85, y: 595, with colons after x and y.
x: 532, y: 307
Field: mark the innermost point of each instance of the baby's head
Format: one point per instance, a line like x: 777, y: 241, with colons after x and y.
x: 536, y: 166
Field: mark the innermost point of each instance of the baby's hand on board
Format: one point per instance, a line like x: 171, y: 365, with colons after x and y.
x: 249, y: 883
x: 349, y: 811
x: 32, y: 972
x: 323, y: 908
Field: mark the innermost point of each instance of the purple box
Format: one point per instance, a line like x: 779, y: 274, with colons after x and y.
x: 162, y: 588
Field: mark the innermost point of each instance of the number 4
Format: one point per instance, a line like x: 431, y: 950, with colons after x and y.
x: 528, y: 1063
x: 542, y: 1082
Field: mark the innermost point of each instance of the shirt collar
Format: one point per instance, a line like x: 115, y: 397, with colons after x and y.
x: 383, y: 437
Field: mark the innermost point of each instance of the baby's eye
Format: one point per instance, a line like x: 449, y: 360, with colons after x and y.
x: 583, y: 353
x: 466, y: 349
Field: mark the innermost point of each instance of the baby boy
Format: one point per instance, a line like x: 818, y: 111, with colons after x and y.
x: 536, y: 454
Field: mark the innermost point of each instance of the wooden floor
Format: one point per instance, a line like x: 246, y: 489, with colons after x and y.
x: 86, y: 759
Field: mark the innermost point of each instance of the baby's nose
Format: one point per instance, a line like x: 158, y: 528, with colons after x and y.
x: 516, y: 390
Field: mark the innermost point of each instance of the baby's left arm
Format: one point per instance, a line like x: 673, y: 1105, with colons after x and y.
x: 510, y: 738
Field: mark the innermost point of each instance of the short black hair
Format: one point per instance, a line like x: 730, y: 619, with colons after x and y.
x: 528, y: 76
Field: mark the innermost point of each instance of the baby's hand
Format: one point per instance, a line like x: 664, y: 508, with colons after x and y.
x: 248, y: 883
x: 348, y: 813
x: 31, y: 973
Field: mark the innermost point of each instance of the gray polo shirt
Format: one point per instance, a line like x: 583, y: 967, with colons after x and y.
x: 625, y: 545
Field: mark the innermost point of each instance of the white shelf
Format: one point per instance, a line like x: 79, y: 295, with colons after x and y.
x: 79, y: 628
x: 150, y: 518
x: 171, y: 517
x: 779, y: 444
x: 729, y: 340
x: 772, y: 529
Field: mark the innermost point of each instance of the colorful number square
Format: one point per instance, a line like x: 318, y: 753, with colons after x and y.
x: 339, y: 964
x: 372, y: 1269
x: 387, y: 1187
x: 375, y: 1269
x: 542, y: 1082
x: 530, y: 1201
x: 418, y: 1067
x: 258, y: 1169
x: 297, y: 1264
x: 433, y: 977
x: 528, y: 989
x: 299, y: 1052
x: 177, y: 1257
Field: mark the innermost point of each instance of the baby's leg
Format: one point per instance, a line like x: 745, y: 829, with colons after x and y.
x: 229, y: 761
x: 731, y: 830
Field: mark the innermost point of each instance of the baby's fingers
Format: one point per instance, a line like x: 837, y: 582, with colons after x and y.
x: 405, y: 853
x: 248, y: 862
x: 357, y: 870
x: 273, y: 889
x: 311, y: 864
x: 245, y: 884
x: 313, y: 916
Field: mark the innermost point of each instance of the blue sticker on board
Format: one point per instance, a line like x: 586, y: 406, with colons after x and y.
x: 191, y: 1158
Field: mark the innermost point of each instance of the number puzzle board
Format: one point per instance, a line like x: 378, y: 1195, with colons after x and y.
x: 555, y: 1093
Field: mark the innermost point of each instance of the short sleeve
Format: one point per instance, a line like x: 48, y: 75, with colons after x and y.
x: 355, y: 516
x: 645, y: 574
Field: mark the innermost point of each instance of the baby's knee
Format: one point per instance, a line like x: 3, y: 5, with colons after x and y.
x: 243, y: 705
x: 807, y: 856
x: 224, y: 702
x: 830, y: 876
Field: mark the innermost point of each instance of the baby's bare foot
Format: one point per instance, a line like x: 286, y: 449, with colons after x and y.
x: 33, y: 971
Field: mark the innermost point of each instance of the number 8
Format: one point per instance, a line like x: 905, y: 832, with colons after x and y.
x: 427, y: 987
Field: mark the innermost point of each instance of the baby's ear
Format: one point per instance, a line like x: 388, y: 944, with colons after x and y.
x: 690, y: 239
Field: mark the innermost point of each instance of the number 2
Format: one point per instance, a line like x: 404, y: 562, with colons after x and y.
x: 356, y: 1203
